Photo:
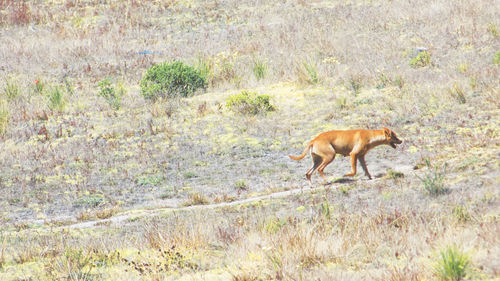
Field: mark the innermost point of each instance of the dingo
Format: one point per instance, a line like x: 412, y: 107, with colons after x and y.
x: 355, y: 143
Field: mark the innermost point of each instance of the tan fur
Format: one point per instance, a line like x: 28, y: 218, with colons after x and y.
x: 355, y: 143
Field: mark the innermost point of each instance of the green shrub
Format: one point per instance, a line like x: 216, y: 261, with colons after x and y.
x: 110, y: 94
x: 56, y: 99
x: 4, y: 117
x: 496, y: 58
x: 171, y: 80
x: 422, y: 59
x: 250, y: 103
x: 453, y: 265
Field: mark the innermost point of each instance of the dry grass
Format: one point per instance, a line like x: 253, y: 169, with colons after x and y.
x: 66, y: 155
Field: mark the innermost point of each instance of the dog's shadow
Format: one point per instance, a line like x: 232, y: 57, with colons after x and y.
x: 347, y: 180
x: 339, y: 180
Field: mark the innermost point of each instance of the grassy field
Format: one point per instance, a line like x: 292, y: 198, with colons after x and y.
x: 188, y: 189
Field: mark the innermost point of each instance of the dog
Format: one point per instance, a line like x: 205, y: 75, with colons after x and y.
x: 355, y: 143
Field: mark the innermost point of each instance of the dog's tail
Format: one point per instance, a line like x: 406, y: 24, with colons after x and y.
x: 308, y: 147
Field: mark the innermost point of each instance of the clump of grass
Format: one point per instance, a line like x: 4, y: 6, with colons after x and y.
x: 344, y: 189
x: 76, y: 264
x: 383, y: 82
x: 149, y: 180
x: 462, y: 214
x: 492, y: 29
x: 259, y: 69
x: 4, y: 117
x: 342, y: 103
x: 308, y: 73
x: 399, y: 81
x: 196, y: 198
x: 68, y: 86
x: 12, y: 89
x: 453, y: 264
x: 391, y: 174
x: 189, y: 175
x: 164, y: 260
x: 273, y: 225
x: 434, y: 179
x: 110, y: 94
x: 355, y: 82
x: 56, y: 99
x: 169, y: 80
x: 422, y: 59
x: 249, y: 103
x: 458, y: 93
x: 93, y: 200
x: 496, y: 58
x: 205, y: 67
x: 241, y: 185
x: 325, y: 209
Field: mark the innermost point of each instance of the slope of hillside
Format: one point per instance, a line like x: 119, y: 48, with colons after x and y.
x: 190, y: 189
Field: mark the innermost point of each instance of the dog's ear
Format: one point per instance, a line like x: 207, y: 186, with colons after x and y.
x: 387, y: 132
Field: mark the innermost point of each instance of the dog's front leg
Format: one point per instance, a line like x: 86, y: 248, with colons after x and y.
x: 354, y: 163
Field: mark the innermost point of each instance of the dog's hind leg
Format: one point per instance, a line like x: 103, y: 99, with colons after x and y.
x: 329, y: 155
x: 317, y: 160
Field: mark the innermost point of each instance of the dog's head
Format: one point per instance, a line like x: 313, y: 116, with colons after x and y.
x: 391, y: 138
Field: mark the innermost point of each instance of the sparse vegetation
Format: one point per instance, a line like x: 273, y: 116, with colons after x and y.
x: 88, y: 192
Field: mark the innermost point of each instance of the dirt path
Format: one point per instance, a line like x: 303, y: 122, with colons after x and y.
x: 149, y: 213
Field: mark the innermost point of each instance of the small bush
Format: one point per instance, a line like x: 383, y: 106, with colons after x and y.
x: 171, y: 80
x: 453, y: 265
x: 110, y: 94
x: 56, y: 99
x: 4, y: 117
x: 250, y: 103
x: 422, y: 59
x: 434, y: 180
x: 496, y: 58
